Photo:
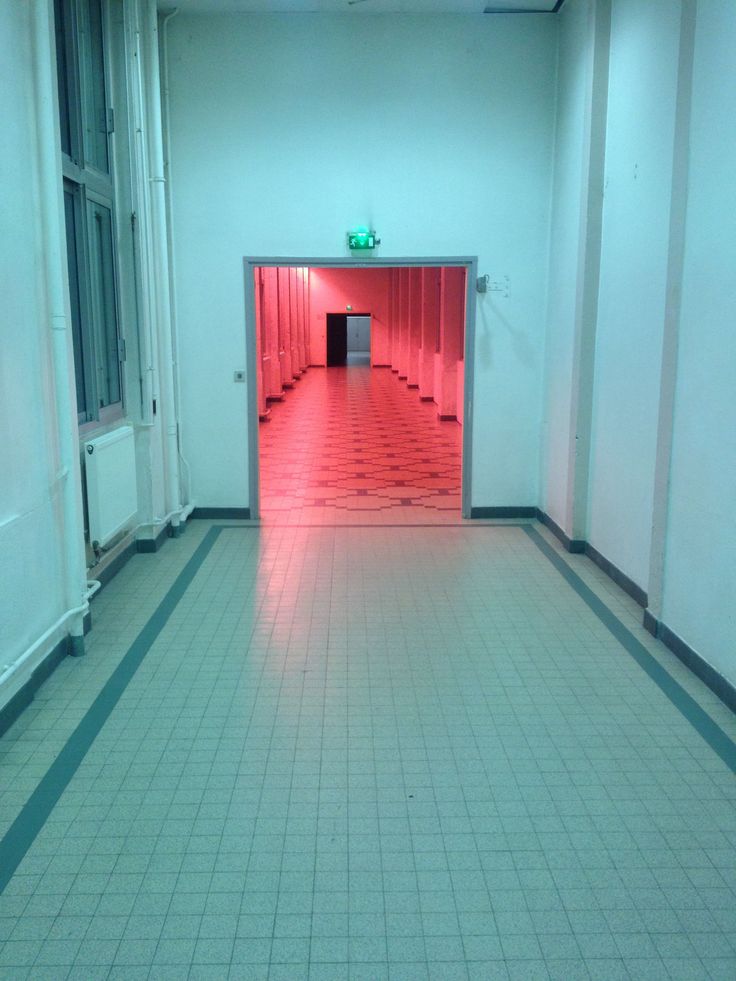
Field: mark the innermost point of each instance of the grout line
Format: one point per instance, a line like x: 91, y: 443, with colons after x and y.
x: 704, y: 725
x: 34, y: 813
x: 470, y: 523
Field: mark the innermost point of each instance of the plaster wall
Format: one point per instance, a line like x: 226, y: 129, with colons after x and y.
x: 445, y: 149
x: 365, y: 290
x: 700, y: 553
x: 633, y: 273
x: 32, y: 588
x: 564, y: 254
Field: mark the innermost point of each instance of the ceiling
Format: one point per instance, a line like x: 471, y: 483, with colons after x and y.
x: 364, y: 6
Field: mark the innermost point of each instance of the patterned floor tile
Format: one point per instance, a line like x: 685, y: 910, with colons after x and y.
x: 353, y: 445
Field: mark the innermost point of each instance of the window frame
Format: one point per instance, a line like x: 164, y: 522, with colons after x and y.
x: 90, y: 186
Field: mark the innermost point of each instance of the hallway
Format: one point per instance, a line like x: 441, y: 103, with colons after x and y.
x: 355, y: 445
x: 371, y: 753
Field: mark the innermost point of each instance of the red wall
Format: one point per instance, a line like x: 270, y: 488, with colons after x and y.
x: 282, y: 335
x: 417, y: 326
x: 366, y: 291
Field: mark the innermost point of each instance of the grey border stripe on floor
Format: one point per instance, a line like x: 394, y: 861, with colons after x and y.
x: 34, y: 813
x: 709, y: 730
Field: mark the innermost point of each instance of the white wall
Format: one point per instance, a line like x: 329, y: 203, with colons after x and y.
x: 288, y: 130
x: 633, y: 272
x: 564, y: 248
x: 635, y: 515
x: 42, y: 565
x: 700, y: 565
x: 32, y: 584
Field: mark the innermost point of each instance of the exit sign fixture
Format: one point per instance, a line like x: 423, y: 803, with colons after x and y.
x: 361, y: 239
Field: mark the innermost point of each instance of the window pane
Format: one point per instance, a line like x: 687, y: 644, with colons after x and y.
x: 95, y: 104
x: 74, y: 288
x: 62, y: 74
x: 103, y: 305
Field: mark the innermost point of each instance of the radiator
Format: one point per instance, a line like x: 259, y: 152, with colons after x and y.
x: 112, y: 498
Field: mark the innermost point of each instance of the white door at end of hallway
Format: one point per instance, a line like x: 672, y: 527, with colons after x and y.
x: 359, y: 334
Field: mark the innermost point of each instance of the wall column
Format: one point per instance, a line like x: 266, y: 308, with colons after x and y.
x: 404, y: 299
x: 430, y: 330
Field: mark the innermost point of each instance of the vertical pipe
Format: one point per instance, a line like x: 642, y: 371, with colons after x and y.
x: 141, y: 230
x: 54, y: 265
x: 161, y: 273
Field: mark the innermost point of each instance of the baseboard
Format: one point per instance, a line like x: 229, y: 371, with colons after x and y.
x: 113, y: 568
x: 74, y: 646
x: 225, y: 514
x: 25, y: 695
x: 503, y: 512
x: 709, y: 675
x: 579, y: 546
x: 149, y: 545
x: 574, y: 545
x: 650, y: 622
x: 620, y: 578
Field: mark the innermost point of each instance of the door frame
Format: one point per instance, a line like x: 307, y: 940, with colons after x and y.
x: 327, y: 336
x: 251, y: 263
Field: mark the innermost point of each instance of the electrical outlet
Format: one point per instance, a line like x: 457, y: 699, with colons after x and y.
x: 239, y: 375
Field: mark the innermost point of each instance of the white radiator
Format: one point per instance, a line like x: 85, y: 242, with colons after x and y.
x: 112, y: 498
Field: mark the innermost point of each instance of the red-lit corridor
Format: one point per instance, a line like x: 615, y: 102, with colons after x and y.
x: 367, y: 430
x: 354, y: 445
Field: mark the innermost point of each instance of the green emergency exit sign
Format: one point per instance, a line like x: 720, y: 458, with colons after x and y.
x: 361, y: 239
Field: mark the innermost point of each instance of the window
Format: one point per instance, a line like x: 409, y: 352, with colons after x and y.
x: 85, y: 117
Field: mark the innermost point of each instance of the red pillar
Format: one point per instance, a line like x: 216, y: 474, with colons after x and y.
x: 452, y: 334
x: 300, y: 296
x: 260, y: 329
x: 394, y: 332
x: 430, y: 330
x: 287, y: 377
x: 307, y: 319
x: 404, y: 301
x: 271, y: 364
x: 294, y: 321
x: 415, y: 326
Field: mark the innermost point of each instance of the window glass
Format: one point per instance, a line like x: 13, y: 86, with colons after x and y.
x: 95, y: 104
x: 89, y: 205
x: 62, y: 75
x: 103, y: 304
x: 73, y: 266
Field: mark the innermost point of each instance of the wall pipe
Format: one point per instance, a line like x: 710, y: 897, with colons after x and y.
x: 161, y: 272
x: 8, y: 670
x: 141, y: 230
x: 54, y: 265
x: 164, y: 70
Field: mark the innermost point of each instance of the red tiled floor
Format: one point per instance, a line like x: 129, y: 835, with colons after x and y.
x: 355, y: 445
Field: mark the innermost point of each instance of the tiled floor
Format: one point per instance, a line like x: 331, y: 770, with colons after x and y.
x: 355, y: 445
x: 370, y: 753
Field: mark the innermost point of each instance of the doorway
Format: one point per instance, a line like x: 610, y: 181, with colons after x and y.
x: 359, y: 339
x: 337, y: 339
x: 411, y: 336
x: 348, y: 339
